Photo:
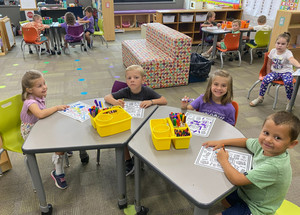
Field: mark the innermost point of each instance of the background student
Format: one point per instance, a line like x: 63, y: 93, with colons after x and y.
x: 90, y: 20
x: 217, y: 98
x: 69, y: 20
x: 262, y: 189
x: 135, y: 79
x: 279, y: 67
x: 210, y: 22
x: 34, y: 91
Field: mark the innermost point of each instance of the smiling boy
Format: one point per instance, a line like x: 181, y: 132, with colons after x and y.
x: 262, y: 189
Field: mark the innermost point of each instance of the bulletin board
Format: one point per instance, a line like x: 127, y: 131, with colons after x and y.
x: 289, y: 4
x: 7, y: 34
x: 224, y: 2
x: 28, y: 5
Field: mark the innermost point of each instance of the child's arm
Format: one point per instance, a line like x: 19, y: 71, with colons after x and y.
x: 294, y: 62
x: 206, y: 25
x: 185, y: 104
x: 147, y: 103
x: 36, y: 111
x: 111, y: 100
x: 269, y: 66
x: 239, y: 142
x: 234, y: 176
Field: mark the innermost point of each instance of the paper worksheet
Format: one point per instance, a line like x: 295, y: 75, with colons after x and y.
x: 134, y: 109
x: 78, y: 111
x: 208, y: 158
x: 199, y: 125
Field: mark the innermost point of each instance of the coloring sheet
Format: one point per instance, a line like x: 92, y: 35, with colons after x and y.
x: 199, y: 125
x: 208, y: 158
x: 133, y: 108
x: 78, y: 111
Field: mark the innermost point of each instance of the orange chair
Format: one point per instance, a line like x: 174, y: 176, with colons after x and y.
x: 232, y: 42
x: 236, y: 107
x: 29, y: 35
x: 262, y: 74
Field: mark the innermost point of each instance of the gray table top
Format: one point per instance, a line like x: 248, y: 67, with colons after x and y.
x: 62, y: 133
x: 201, y: 185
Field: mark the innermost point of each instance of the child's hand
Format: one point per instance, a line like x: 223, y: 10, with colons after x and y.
x: 62, y: 107
x: 146, y: 103
x: 222, y: 155
x: 219, y: 24
x: 120, y: 102
x: 211, y: 25
x: 184, y: 102
x: 216, y: 143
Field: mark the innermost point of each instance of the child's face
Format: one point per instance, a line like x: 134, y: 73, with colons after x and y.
x: 275, y: 139
x: 39, y: 20
x: 281, y: 45
x: 219, y: 87
x: 88, y: 14
x: 39, y: 88
x: 235, y: 26
x: 212, y: 18
x: 134, y: 81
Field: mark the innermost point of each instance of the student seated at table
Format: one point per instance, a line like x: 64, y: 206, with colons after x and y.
x: 217, y: 98
x: 236, y: 25
x: 262, y: 189
x: 210, y: 22
x: 34, y: 92
x: 90, y: 20
x: 37, y: 23
x: 261, y: 26
x: 69, y: 20
x: 135, y: 79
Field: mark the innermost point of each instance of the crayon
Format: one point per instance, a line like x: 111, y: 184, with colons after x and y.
x: 96, y: 103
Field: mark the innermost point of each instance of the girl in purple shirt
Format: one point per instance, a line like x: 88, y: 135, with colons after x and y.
x: 217, y: 98
x: 34, y: 91
x: 69, y: 20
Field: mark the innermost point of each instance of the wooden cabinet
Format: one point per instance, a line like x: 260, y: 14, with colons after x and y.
x: 108, y: 19
x: 287, y: 21
x: 189, y: 21
x: 131, y: 21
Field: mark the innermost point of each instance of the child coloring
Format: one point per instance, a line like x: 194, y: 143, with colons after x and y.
x: 262, y: 189
x: 135, y: 79
x: 210, y: 22
x: 279, y: 67
x: 34, y: 91
x: 217, y: 98
x: 90, y: 20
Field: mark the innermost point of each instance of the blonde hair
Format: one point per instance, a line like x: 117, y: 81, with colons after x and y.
x: 237, y: 21
x: 210, y: 14
x: 135, y: 68
x: 28, y: 81
x: 262, y: 19
x: 36, y: 17
x: 70, y: 18
x: 227, y: 98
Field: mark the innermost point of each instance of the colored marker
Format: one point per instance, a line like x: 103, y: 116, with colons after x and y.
x: 223, y: 147
x: 96, y: 103
x: 100, y: 104
x: 187, y: 100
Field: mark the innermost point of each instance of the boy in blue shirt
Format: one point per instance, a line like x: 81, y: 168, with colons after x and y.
x: 90, y: 20
x: 262, y: 189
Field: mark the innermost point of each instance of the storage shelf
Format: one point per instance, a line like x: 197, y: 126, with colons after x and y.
x: 192, y: 29
x: 135, y: 19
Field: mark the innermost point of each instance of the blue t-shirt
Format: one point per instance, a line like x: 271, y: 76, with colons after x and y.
x: 225, y: 112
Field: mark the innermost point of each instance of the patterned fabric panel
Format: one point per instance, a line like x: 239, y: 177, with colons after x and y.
x: 144, y: 51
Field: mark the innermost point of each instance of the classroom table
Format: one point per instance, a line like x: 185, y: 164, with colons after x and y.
x: 295, y: 91
x: 55, y: 38
x: 202, y: 186
x: 58, y: 133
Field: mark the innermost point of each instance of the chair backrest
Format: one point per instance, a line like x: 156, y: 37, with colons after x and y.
x: 10, y: 123
x: 76, y: 31
x: 263, y: 71
x: 262, y: 38
x: 118, y: 85
x: 236, y: 107
x: 100, y: 24
x: 288, y: 208
x: 30, y: 34
x: 232, y: 41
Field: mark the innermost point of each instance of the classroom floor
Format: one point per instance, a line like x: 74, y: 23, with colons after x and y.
x: 93, y: 189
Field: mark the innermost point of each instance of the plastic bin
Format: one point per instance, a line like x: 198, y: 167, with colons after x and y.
x: 162, y: 142
x: 111, y: 121
x: 199, y: 68
x: 60, y: 20
x: 168, y: 18
x: 47, y: 21
x: 201, y: 17
x: 186, y: 18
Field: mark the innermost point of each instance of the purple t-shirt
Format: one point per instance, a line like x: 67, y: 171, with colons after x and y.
x: 225, y: 112
x: 30, y: 118
x: 91, y: 23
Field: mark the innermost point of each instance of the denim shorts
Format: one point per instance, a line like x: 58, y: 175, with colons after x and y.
x: 238, y: 206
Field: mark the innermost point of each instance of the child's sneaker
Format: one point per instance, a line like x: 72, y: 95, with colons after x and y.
x: 205, y: 54
x: 70, y: 154
x: 129, y: 166
x: 84, y: 157
x: 60, y: 180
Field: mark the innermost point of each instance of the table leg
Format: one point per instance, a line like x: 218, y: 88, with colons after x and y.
x: 52, y: 41
x: 202, y: 38
x: 121, y: 176
x: 241, y: 42
x: 57, y: 38
x: 291, y: 104
x: 214, y: 45
x: 137, y: 184
x: 200, y: 211
x: 38, y: 185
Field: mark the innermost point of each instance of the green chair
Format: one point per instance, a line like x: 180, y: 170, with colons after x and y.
x: 288, y: 208
x: 100, y: 33
x: 262, y: 40
x: 10, y: 123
